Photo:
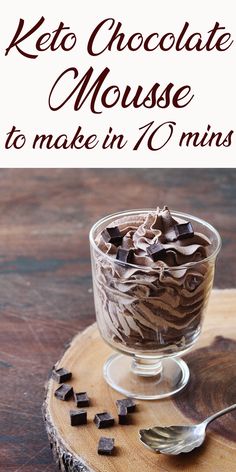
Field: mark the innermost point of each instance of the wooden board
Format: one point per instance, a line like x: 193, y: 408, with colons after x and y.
x: 213, y: 385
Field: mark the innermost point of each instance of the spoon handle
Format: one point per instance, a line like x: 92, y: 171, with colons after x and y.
x: 219, y: 413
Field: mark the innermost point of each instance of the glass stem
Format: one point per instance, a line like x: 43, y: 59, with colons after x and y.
x: 146, y: 367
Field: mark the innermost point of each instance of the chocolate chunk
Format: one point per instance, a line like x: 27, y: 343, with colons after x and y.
x: 78, y: 417
x: 61, y: 375
x: 103, y: 420
x: 128, y: 403
x: 106, y: 446
x: 156, y: 251
x: 125, y: 255
x: 81, y: 399
x: 112, y: 235
x: 64, y: 392
x: 123, y: 414
x: 184, y: 230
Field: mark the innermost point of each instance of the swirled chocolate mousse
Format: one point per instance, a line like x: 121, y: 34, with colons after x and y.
x: 150, y: 296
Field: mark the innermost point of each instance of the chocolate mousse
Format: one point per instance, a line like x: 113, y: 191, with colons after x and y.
x: 152, y: 279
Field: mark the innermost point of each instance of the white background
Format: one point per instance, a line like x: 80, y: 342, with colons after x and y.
x: 25, y: 83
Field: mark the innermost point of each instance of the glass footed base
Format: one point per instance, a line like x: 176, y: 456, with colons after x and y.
x: 122, y: 374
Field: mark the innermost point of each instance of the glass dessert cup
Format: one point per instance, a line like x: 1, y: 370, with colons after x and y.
x: 151, y: 316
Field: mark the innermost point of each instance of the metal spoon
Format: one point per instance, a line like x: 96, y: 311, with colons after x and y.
x: 176, y: 439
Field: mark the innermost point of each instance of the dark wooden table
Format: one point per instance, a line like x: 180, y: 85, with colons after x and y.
x: 45, y: 277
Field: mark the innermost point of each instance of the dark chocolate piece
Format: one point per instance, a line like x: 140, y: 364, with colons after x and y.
x: 61, y: 375
x: 103, y: 420
x: 123, y: 414
x: 81, y: 399
x: 64, y: 392
x: 156, y: 251
x: 184, y: 230
x: 78, y: 417
x: 125, y: 255
x: 129, y: 403
x: 112, y: 235
x: 106, y: 446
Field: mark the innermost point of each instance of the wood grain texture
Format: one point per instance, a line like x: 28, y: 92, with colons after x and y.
x: 213, y: 366
x: 212, y: 384
x: 45, y: 275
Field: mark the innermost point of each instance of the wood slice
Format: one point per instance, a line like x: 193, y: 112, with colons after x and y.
x: 212, y: 386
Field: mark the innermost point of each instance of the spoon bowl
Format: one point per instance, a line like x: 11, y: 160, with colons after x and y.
x: 169, y: 440
x: 174, y: 440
